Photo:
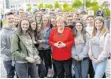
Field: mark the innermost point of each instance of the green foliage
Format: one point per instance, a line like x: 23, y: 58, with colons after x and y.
x: 95, y: 8
x: 57, y: 5
x: 107, y: 12
x: 77, y: 4
x: 29, y: 8
x: 65, y: 5
x: 50, y: 6
x: 41, y: 5
x: 68, y: 8
x: 93, y: 5
x: 89, y: 3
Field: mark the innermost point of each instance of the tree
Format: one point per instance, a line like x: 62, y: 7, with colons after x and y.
x: 77, y: 4
x: 67, y: 8
x: 96, y: 8
x: 46, y: 6
x: 107, y: 12
x: 29, y: 8
x: 89, y: 3
x: 57, y: 5
x: 41, y: 5
x: 65, y: 5
x: 50, y: 6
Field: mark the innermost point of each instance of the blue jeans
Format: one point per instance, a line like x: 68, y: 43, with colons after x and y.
x: 9, y: 69
x: 81, y: 68
x: 99, y: 69
x: 24, y: 70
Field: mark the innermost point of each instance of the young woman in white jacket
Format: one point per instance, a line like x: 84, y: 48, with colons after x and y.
x: 96, y: 47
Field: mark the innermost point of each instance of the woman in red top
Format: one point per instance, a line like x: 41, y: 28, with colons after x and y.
x: 61, y: 40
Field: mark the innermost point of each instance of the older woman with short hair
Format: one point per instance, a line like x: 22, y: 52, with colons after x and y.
x: 61, y: 40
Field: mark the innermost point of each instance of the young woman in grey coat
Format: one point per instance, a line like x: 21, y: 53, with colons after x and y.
x: 80, y: 51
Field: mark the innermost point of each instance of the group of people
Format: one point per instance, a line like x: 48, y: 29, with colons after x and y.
x: 55, y: 44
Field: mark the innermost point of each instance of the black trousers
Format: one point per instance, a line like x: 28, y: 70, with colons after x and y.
x: 41, y: 70
x: 91, y: 70
x: 63, y: 68
x: 55, y: 71
x: 46, y: 57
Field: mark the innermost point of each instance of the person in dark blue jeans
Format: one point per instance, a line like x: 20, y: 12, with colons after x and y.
x: 9, y: 69
x: 6, y: 33
x: 80, y: 51
x: 24, y: 52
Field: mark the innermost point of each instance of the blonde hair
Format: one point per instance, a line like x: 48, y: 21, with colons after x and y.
x: 60, y: 18
x: 49, y: 21
x: 102, y: 30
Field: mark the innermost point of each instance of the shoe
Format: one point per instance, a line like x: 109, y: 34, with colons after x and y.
x: 50, y: 73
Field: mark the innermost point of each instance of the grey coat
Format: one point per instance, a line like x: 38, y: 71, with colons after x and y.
x: 81, y: 47
x: 6, y: 35
x: 98, y: 47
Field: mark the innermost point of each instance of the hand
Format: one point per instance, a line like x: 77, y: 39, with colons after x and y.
x: 77, y: 58
x: 30, y: 59
x: 34, y: 42
x: 36, y: 57
x: 90, y: 56
x: 62, y: 45
x: 95, y: 61
x: 56, y: 45
x: 41, y: 41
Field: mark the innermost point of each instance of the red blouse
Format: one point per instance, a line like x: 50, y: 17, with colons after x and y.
x: 66, y: 37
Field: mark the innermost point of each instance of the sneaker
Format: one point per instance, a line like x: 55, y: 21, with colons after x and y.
x: 50, y: 73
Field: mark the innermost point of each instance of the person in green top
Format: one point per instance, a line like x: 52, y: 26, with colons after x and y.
x: 24, y: 52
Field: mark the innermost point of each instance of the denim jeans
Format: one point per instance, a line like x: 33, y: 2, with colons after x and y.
x: 81, y: 68
x: 24, y: 70
x: 99, y: 69
x: 9, y: 69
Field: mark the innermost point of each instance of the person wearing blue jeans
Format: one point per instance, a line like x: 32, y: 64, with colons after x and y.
x: 24, y: 52
x: 80, y: 51
x: 6, y: 34
x: 24, y: 70
x: 81, y: 68
x: 96, y: 47
x: 9, y: 69
x: 99, y: 69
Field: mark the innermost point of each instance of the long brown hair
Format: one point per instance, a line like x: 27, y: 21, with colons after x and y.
x: 35, y: 31
x: 103, y: 28
x: 19, y: 29
x: 83, y: 32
